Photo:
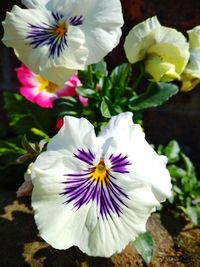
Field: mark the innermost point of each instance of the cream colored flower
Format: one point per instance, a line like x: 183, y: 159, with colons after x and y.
x: 191, y: 75
x: 164, y: 50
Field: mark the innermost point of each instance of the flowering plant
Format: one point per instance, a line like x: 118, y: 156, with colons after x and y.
x: 100, y: 186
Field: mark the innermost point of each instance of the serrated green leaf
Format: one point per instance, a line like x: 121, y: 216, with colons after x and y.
x: 107, y: 109
x: 144, y: 246
x: 156, y: 95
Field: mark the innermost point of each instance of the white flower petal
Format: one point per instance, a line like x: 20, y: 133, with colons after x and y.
x: 75, y: 133
x: 128, y: 138
x: 63, y: 226
x: 79, y: 199
x: 117, y: 124
x: 56, y: 37
x: 34, y: 3
x: 103, y: 20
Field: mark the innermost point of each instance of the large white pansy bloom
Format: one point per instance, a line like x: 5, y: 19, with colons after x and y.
x: 164, y: 50
x: 97, y: 192
x: 191, y: 75
x: 56, y: 37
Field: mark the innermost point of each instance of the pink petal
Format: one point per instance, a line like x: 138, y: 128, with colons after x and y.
x: 45, y: 99
x: 84, y: 101
x: 29, y: 93
x: 26, y: 76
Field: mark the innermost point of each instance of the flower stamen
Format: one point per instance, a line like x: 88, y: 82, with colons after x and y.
x: 100, y: 173
x: 61, y: 29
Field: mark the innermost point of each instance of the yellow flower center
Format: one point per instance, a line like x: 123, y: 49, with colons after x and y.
x: 46, y: 85
x: 100, y: 173
x: 61, y: 29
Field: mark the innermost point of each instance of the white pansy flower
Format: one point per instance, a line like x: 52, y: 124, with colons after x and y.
x: 55, y: 37
x: 97, y: 192
x: 191, y: 75
x: 164, y: 50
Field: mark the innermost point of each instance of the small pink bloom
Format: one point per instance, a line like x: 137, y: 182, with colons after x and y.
x: 43, y: 92
x: 84, y: 100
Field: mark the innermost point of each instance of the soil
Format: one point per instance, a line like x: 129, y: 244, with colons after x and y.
x: 176, y: 242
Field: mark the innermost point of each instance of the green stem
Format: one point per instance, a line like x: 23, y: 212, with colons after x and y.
x: 139, y: 78
x: 90, y: 76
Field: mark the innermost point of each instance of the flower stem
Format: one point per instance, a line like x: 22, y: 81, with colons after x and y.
x: 139, y: 78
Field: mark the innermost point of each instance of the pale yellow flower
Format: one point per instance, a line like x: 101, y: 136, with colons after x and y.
x: 164, y: 50
x: 191, y: 75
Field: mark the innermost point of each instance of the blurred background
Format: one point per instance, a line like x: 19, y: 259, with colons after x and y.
x: 179, y: 118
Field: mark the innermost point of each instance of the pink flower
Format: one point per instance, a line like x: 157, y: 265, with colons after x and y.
x: 43, y: 92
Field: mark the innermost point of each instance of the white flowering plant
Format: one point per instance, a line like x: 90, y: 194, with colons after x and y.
x: 92, y: 175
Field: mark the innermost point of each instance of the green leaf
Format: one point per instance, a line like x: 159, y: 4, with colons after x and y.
x: 144, y: 246
x: 172, y: 151
x: 107, y: 85
x: 100, y: 69
x: 10, y: 147
x: 67, y: 106
x: 86, y: 92
x: 25, y: 115
x: 40, y: 133
x: 10, y: 150
x: 120, y: 76
x: 188, y: 165
x: 176, y: 171
x: 107, y: 109
x: 194, y: 214
x: 154, y: 96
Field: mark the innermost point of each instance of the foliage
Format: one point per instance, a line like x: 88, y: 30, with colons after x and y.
x: 25, y: 116
x: 186, y: 187
x: 144, y: 245
x: 112, y: 93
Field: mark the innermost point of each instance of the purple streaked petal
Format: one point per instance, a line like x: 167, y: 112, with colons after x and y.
x: 86, y: 156
x: 81, y: 188
x: 75, y: 21
x: 119, y: 163
x: 44, y: 34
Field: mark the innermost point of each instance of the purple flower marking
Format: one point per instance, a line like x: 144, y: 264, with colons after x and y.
x: 47, y: 35
x: 119, y: 163
x: 81, y: 188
